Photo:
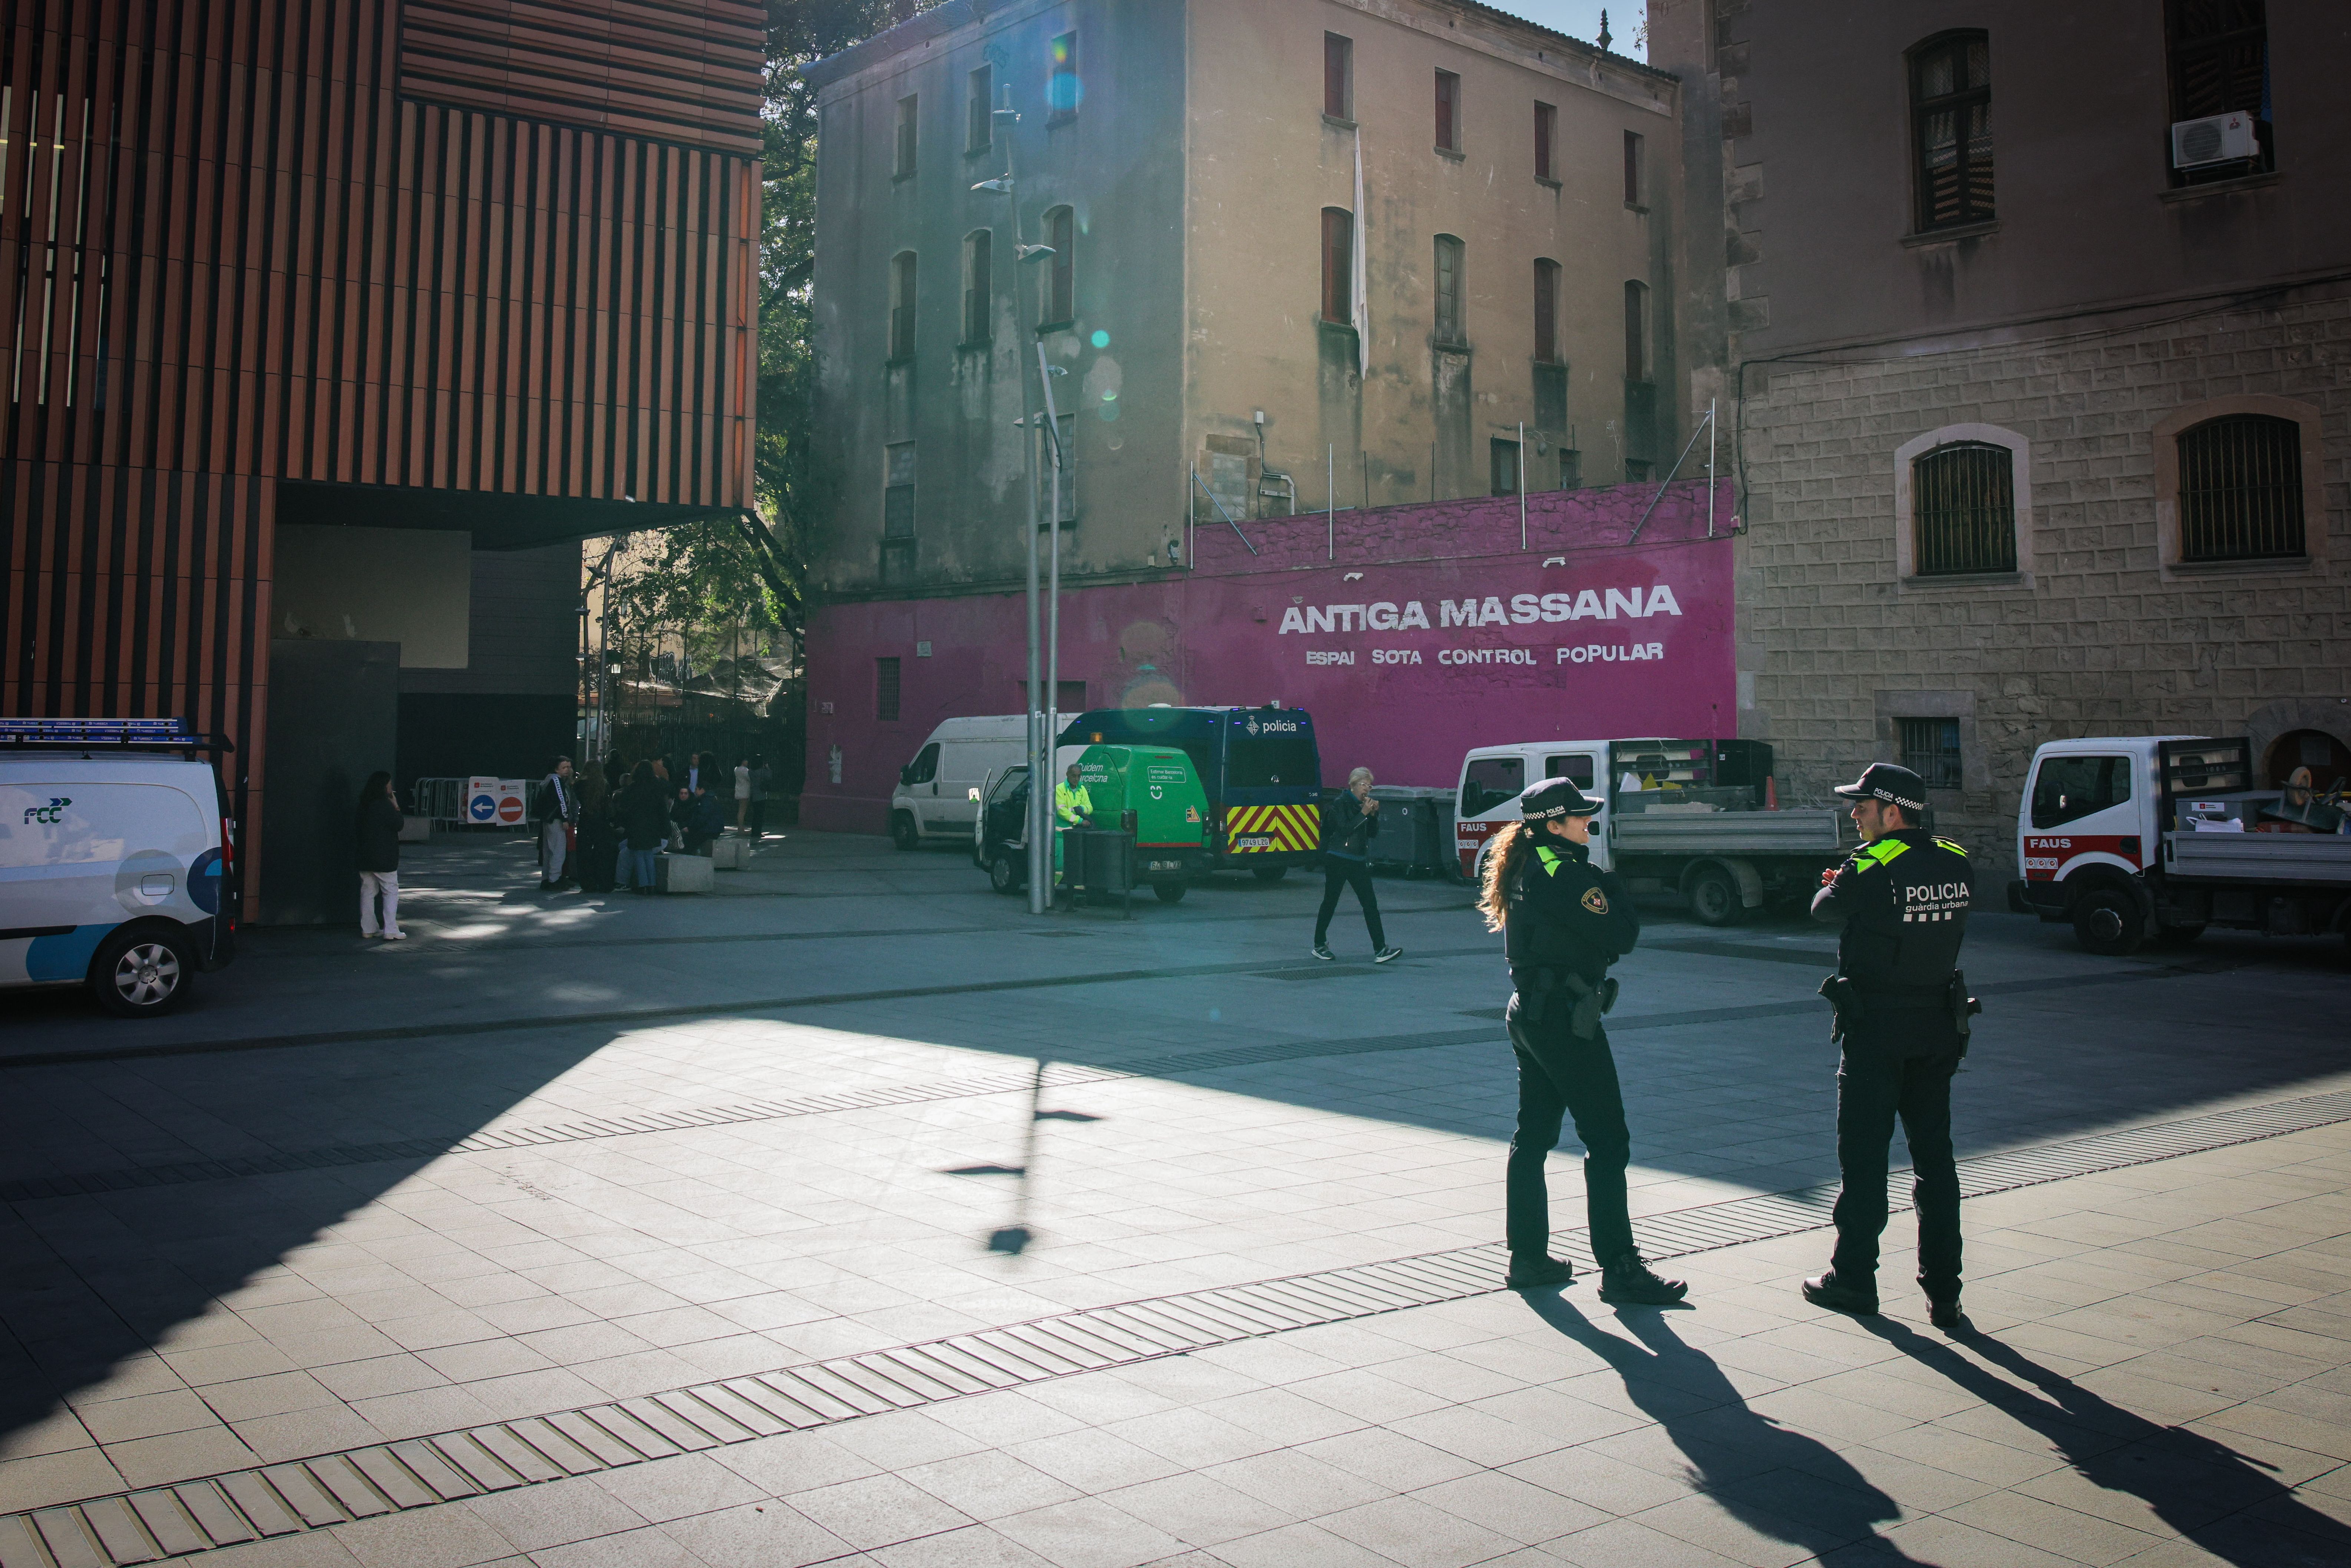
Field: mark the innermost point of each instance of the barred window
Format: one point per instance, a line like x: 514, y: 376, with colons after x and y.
x: 2241, y: 489
x: 885, y: 690
x: 1950, y: 109
x: 1963, y: 506
x: 1930, y: 748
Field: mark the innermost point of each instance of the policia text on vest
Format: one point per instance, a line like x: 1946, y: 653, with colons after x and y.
x: 1564, y: 923
x: 1902, y: 1016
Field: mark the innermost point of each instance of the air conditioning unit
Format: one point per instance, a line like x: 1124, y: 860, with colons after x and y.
x: 2216, y: 138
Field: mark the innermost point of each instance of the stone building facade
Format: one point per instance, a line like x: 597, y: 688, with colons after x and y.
x: 2077, y: 331
x: 1327, y: 253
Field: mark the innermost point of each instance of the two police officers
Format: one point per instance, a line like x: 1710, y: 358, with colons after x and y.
x: 1902, y: 1011
x: 1564, y: 921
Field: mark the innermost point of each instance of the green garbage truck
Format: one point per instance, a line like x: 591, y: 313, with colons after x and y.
x: 1153, y: 791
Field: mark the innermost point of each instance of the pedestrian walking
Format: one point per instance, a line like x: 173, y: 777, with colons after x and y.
x: 1902, y: 1016
x: 644, y: 823
x: 742, y: 794
x: 559, y: 813
x: 763, y: 780
x: 376, y: 831
x: 1564, y: 921
x: 1348, y: 825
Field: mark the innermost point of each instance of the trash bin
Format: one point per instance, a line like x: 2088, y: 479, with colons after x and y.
x: 1105, y: 861
x: 1416, y: 834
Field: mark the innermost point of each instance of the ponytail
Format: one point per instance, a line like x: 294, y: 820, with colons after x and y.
x: 1511, y: 845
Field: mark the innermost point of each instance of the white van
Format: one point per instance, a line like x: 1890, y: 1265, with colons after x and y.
x: 117, y: 869
x: 933, y: 799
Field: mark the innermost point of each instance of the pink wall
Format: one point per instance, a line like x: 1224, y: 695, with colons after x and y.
x: 1559, y: 651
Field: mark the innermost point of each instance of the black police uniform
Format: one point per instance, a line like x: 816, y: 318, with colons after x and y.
x: 1902, y: 901
x: 1565, y: 922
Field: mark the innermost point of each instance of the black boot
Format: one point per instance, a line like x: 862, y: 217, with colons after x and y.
x: 1532, y: 1273
x: 1946, y: 1315
x: 1828, y: 1291
x: 1626, y: 1278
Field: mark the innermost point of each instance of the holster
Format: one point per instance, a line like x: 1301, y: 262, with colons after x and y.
x: 1963, y: 1008
x: 1590, y: 1001
x: 1845, y: 997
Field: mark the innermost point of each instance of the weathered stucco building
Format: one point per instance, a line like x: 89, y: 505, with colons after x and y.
x: 1325, y: 251
x: 2038, y: 434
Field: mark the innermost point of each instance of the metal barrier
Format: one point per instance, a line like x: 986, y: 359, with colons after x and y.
x: 441, y: 799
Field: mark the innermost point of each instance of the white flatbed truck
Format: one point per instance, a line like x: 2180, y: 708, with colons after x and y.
x: 2153, y: 838
x: 1698, y: 817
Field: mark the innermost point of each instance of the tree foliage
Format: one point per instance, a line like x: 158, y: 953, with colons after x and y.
x: 754, y: 570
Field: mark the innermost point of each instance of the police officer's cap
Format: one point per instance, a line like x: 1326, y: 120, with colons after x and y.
x: 1888, y: 781
x: 1555, y: 798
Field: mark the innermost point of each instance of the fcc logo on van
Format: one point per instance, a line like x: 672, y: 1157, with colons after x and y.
x: 49, y: 814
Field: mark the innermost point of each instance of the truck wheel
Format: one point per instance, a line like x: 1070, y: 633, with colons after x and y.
x: 903, y: 832
x: 1714, y: 897
x: 1270, y: 872
x: 1169, y: 892
x: 2178, y: 936
x: 1003, y: 875
x: 2107, y: 921
x: 140, y: 974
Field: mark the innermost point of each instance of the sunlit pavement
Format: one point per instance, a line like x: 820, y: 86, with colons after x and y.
x: 274, y: 1263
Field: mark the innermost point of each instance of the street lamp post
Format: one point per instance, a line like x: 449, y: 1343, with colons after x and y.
x: 1038, y: 709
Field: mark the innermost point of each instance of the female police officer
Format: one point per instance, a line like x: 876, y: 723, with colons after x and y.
x: 1564, y: 921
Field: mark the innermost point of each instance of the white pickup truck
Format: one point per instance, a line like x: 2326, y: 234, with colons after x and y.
x: 1699, y: 818
x: 2155, y: 837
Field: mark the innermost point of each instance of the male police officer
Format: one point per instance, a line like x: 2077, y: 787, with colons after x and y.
x: 1902, y: 1013
x: 1565, y: 921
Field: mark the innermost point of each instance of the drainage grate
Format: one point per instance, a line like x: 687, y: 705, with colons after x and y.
x: 388, y: 1477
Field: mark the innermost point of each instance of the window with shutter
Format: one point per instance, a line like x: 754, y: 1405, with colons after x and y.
x: 1449, y: 331
x: 2219, y: 52
x: 1061, y: 270
x: 978, y: 263
x: 1338, y: 76
x: 1449, y: 112
x: 1951, y: 111
x: 1338, y: 266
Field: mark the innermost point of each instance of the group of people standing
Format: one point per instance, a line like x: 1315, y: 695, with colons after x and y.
x: 602, y: 827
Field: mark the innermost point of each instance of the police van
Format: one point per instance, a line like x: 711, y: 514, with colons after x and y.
x: 117, y: 864
x: 1259, y: 768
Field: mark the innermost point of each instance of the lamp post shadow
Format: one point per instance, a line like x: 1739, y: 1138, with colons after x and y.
x: 2197, y: 1485
x: 1774, y: 1481
x: 1013, y: 1237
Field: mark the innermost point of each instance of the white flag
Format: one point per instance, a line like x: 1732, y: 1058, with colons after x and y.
x: 1360, y: 287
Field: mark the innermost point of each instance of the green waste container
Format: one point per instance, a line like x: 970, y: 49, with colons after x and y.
x: 1152, y: 792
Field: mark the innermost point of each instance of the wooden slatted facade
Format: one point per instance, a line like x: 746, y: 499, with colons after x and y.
x: 234, y: 249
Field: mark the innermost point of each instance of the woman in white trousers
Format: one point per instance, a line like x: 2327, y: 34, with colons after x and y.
x: 377, y: 835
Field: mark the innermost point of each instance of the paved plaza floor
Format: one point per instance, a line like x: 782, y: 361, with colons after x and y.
x: 852, y: 1215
